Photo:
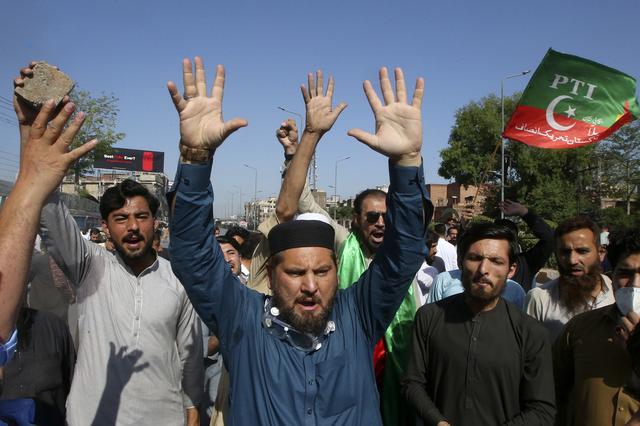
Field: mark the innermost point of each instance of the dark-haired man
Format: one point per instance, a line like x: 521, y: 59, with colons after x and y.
x: 581, y: 287
x: 597, y: 356
x: 446, y: 251
x: 281, y: 374
x: 477, y: 359
x: 528, y: 262
x: 139, y: 347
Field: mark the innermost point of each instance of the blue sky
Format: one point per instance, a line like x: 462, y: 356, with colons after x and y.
x: 462, y: 49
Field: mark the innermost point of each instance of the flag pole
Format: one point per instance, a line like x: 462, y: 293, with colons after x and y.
x: 502, y: 175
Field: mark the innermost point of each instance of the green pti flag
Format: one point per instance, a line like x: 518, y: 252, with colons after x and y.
x: 571, y: 102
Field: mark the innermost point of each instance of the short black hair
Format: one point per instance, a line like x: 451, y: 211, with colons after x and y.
x: 440, y: 229
x: 487, y: 231
x: 223, y: 239
x: 623, y: 247
x: 357, y: 203
x: 509, y: 224
x: 576, y: 223
x: 116, y: 196
x: 94, y: 231
x: 457, y: 228
x: 239, y: 231
x: 431, y: 238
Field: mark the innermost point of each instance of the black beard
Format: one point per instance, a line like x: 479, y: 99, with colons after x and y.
x: 313, y: 324
x: 575, y: 292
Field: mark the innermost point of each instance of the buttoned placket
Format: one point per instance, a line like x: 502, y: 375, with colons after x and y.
x: 472, y: 362
x: 311, y: 390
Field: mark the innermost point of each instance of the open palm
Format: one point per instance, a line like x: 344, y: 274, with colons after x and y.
x: 201, y: 124
x: 398, y: 124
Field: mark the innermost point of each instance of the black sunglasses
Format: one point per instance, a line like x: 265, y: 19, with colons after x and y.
x: 372, y: 217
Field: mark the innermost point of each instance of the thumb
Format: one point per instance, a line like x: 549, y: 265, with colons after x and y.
x: 364, y: 137
x: 233, y: 125
x: 338, y: 110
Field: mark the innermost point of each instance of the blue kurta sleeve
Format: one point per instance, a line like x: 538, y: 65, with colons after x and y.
x: 380, y: 290
x: 216, y: 294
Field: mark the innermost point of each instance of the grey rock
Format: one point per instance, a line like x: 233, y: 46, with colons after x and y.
x: 46, y: 83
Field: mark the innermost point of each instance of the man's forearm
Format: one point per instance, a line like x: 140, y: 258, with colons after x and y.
x: 19, y: 218
x: 192, y: 415
x: 295, y: 177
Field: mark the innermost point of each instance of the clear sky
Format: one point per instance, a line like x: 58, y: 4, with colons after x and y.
x: 462, y: 48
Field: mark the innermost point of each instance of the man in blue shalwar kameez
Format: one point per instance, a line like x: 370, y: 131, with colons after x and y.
x: 304, y: 356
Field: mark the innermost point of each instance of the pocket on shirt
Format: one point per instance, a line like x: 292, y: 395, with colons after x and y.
x: 336, y: 389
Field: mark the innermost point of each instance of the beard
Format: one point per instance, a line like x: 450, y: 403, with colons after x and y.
x: 133, y: 254
x: 313, y: 324
x: 480, y: 296
x: 575, y: 292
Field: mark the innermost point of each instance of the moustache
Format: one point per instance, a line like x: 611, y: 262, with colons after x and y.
x: 133, y: 236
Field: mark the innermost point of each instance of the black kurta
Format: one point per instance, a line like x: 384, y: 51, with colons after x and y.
x: 493, y: 368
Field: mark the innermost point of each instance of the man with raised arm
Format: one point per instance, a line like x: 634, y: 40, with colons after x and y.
x: 139, y: 340
x: 303, y: 356
x: 44, y: 161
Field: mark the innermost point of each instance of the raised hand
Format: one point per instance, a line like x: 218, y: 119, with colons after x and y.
x: 201, y: 124
x: 320, y: 115
x: 287, y: 135
x: 398, y: 124
x: 512, y: 208
x: 45, y: 157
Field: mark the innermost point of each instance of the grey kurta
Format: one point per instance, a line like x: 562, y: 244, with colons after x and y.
x: 140, y: 345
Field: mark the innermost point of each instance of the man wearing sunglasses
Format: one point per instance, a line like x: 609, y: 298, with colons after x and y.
x: 318, y: 368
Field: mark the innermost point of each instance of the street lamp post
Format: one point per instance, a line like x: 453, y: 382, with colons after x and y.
x: 335, y: 186
x: 314, y: 176
x: 502, y: 175
x: 255, y: 195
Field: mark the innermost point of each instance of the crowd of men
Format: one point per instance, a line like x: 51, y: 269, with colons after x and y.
x: 394, y: 321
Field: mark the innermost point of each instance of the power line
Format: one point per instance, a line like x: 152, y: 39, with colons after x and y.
x: 7, y: 100
x: 8, y: 122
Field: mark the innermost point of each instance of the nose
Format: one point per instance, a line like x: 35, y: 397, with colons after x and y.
x: 380, y: 221
x: 132, y: 224
x: 574, y: 258
x: 635, y: 281
x: 309, y: 284
x: 483, y: 267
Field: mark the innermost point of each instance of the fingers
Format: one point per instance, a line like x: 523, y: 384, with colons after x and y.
x: 305, y: 94
x: 633, y: 317
x: 178, y: 101
x: 188, y: 79
x: 418, y: 92
x: 385, y: 87
x: 82, y: 150
x: 201, y: 82
x: 330, y: 88
x: 319, y: 83
x: 372, y: 97
x: 56, y: 126
x: 233, y: 125
x: 291, y: 124
x: 217, y: 93
x: 364, y: 137
x: 66, y: 139
x: 401, y: 89
x: 40, y: 123
x: 312, y: 85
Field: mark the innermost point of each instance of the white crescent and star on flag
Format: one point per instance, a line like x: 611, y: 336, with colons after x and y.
x: 571, y: 112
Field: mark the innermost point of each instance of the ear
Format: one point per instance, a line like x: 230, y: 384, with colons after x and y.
x: 105, y: 228
x: 512, y: 270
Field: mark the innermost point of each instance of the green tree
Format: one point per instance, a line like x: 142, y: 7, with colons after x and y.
x: 553, y: 182
x: 100, y: 124
x: 618, y: 171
